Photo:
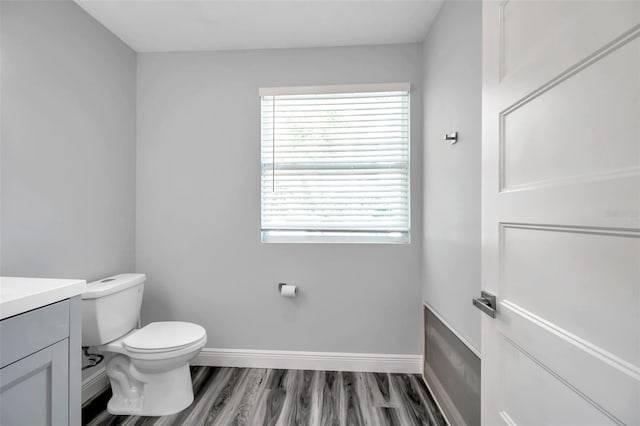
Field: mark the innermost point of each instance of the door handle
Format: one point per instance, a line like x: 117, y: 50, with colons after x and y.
x: 486, y: 303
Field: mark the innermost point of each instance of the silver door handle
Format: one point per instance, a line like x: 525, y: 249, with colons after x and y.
x: 486, y: 303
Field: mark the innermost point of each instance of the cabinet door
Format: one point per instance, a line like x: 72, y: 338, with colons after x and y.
x: 35, y: 389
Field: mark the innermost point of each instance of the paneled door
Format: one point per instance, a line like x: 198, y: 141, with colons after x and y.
x: 561, y: 212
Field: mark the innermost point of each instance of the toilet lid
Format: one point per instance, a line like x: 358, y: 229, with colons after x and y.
x: 167, y: 335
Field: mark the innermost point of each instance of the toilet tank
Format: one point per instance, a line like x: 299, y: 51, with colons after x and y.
x: 110, y: 308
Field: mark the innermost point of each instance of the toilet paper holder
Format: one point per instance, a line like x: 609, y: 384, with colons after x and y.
x: 287, y: 290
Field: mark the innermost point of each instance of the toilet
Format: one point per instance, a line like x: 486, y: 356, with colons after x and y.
x: 148, y: 367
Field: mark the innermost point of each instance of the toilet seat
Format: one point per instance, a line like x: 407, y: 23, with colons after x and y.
x: 164, y: 336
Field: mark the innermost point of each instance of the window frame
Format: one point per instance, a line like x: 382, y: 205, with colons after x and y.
x: 338, y: 236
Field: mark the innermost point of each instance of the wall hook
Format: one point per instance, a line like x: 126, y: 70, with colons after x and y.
x: 451, y: 137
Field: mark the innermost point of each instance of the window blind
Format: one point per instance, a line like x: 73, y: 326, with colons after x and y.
x: 336, y: 165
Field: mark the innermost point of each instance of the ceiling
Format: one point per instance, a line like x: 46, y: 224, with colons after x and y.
x: 187, y: 25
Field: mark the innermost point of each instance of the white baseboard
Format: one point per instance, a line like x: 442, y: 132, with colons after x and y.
x: 94, y: 384
x: 294, y: 360
x: 297, y: 360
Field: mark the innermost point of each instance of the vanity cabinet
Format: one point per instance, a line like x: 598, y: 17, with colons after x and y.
x: 40, y: 364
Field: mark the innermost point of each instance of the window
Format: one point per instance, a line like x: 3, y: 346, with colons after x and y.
x: 335, y: 164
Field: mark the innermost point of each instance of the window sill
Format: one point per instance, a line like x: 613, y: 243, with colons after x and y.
x: 335, y: 237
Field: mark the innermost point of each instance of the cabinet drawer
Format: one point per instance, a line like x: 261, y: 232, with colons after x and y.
x: 27, y: 333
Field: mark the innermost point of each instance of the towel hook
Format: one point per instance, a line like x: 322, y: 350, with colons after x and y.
x: 451, y: 137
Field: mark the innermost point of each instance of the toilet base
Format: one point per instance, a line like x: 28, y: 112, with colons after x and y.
x: 147, y: 394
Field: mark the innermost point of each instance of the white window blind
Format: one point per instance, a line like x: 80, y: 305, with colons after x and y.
x: 335, y: 165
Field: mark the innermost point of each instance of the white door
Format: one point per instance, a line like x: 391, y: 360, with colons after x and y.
x: 561, y: 212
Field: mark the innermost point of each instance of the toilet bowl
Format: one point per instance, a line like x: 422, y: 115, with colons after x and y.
x: 148, y: 368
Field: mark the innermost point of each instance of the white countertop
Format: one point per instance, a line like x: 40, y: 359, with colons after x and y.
x: 18, y: 295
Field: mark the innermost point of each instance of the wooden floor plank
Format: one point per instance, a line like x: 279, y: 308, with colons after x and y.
x: 317, y: 398
x: 354, y: 409
x: 198, y: 413
x: 330, y: 399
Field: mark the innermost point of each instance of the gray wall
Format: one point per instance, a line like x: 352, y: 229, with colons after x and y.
x: 452, y: 102
x: 68, y: 144
x: 198, y: 209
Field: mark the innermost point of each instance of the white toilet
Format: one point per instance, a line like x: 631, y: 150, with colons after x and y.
x: 148, y: 367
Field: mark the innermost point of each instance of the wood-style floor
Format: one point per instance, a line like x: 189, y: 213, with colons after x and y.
x: 247, y: 396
